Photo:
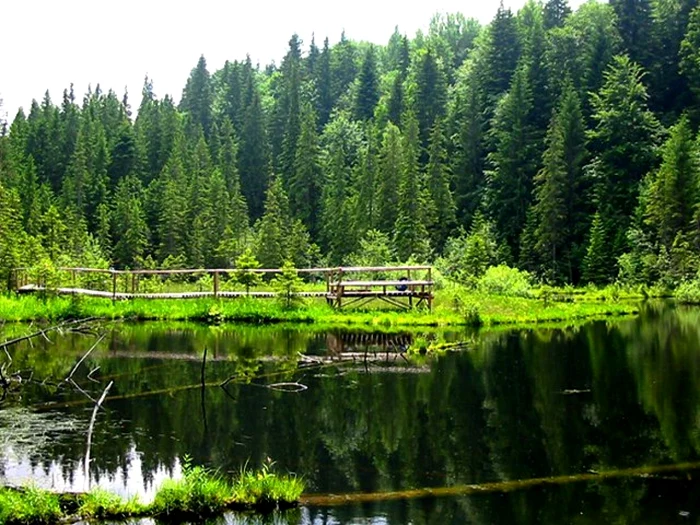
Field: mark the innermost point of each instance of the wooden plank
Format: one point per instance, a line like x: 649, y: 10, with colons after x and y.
x: 384, y: 283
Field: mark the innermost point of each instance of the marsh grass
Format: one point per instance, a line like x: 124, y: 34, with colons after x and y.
x: 100, y: 504
x: 200, y: 493
x: 29, y: 506
x: 454, y: 305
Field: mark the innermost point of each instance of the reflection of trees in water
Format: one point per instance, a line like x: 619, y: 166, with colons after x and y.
x: 530, y: 404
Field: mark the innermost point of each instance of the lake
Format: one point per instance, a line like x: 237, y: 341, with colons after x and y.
x: 355, y: 415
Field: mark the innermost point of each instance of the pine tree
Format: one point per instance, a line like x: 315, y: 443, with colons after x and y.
x: 624, y: 139
x: 598, y: 264
x: 253, y: 159
x: 438, y: 184
x: 273, y: 228
x: 634, y: 24
x: 559, y: 205
x: 410, y: 231
x: 197, y: 98
x: 502, y: 53
x: 430, y: 88
x: 673, y: 192
x: 367, y: 94
x: 305, y: 184
x: 324, y: 86
x: 343, y: 66
x: 388, y: 177
x: 514, y: 162
x: 555, y: 13
x: 288, y: 112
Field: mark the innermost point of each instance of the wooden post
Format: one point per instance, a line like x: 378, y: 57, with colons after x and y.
x: 430, y: 289
x: 339, y: 289
x: 72, y: 278
x: 216, y: 284
x: 114, y: 285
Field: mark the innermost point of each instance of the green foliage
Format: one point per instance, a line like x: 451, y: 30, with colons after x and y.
x: 288, y: 284
x: 467, y: 257
x: 29, y: 506
x: 503, y: 280
x: 247, y: 276
x: 100, y: 504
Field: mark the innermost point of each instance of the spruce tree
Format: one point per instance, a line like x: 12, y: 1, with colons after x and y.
x: 438, y: 184
x: 598, y: 264
x: 197, y: 98
x: 555, y: 13
x: 305, y: 184
x: 388, y: 177
x: 559, y: 204
x: 367, y: 94
x: 410, y: 231
x: 624, y: 140
x: 673, y: 192
x: 514, y: 162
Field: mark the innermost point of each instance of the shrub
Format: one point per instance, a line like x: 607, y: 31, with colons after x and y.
x: 504, y: 280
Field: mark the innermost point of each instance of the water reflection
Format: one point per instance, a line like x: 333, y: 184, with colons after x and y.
x: 515, y: 405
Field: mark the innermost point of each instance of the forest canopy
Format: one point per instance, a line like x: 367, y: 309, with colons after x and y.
x: 561, y: 142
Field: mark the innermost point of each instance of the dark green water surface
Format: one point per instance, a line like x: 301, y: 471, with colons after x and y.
x: 513, y: 405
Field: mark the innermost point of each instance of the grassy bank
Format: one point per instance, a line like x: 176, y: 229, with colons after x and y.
x: 451, y: 308
x: 199, y: 494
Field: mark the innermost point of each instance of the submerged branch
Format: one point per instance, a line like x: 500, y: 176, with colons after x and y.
x: 332, y: 500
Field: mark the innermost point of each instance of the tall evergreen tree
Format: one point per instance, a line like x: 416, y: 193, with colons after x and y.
x: 559, y: 207
x: 624, y: 140
x: 438, y: 184
x: 305, y: 184
x: 673, y: 191
x: 197, y: 97
x: 367, y: 94
x: 513, y: 162
x: 555, y: 13
x: 410, y: 231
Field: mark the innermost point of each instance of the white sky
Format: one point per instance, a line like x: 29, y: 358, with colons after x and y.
x: 47, y: 44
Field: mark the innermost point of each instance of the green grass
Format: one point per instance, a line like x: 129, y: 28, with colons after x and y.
x: 453, y: 306
x: 29, y: 506
x: 199, y: 494
x: 100, y: 504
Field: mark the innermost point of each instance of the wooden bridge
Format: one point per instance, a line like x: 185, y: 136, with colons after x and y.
x: 400, y: 286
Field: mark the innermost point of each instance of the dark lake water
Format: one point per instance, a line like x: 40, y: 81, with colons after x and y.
x: 512, y: 405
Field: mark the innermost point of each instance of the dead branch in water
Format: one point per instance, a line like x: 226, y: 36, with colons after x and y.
x: 90, y: 428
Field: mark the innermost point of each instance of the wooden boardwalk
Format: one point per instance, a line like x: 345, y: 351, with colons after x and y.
x: 399, y: 286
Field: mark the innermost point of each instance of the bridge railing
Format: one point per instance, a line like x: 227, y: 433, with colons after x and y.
x: 194, y: 282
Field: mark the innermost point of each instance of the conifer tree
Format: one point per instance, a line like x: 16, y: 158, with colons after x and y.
x: 555, y: 13
x: 388, y: 177
x: 367, y: 94
x: 624, y: 139
x: 324, y: 86
x: 253, y: 158
x: 502, y: 53
x: 430, y: 87
x: 410, y: 231
x: 673, y: 191
x: 559, y: 203
x: 438, y: 184
x: 197, y: 98
x: 305, y: 184
x: 598, y: 264
x: 514, y: 161
x: 273, y: 228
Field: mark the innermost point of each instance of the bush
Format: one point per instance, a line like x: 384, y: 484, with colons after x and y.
x: 504, y: 280
x: 688, y: 292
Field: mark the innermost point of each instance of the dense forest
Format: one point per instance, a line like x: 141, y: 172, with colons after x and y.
x: 561, y: 142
